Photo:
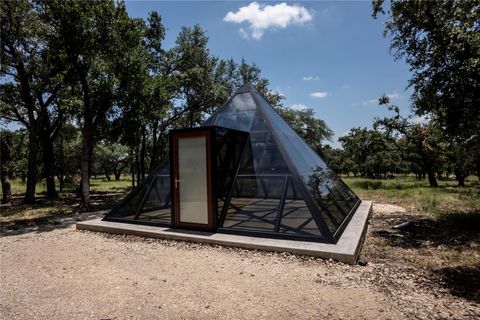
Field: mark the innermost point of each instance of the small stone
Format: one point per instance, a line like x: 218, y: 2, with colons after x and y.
x: 362, y: 261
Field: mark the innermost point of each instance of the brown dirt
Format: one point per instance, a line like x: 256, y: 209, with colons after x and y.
x: 52, y: 271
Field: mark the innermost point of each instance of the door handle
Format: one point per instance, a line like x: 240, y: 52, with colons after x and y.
x: 176, y: 183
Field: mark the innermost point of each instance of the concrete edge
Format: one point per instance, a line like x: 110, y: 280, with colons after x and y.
x: 345, y: 250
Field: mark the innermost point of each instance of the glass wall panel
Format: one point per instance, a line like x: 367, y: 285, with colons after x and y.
x: 229, y: 145
x: 128, y: 208
x: 296, y: 217
x: 157, y: 205
x: 305, y: 159
x: 235, y: 120
x: 254, y: 203
x: 262, y: 156
x: 331, y: 204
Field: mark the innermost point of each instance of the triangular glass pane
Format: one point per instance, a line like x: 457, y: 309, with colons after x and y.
x: 157, y: 204
x: 296, y: 217
x: 240, y: 102
x: 258, y: 123
x: 332, y: 207
x: 129, y: 206
x: 304, y: 158
x: 238, y: 113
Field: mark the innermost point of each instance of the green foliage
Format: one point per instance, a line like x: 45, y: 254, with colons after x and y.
x: 440, y: 40
x: 371, y: 153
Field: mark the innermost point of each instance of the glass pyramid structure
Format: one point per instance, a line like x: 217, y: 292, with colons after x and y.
x: 268, y: 181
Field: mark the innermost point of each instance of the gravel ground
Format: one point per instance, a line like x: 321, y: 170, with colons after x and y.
x: 56, y: 272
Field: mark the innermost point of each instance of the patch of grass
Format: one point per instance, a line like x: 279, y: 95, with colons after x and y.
x: 368, y: 184
x: 104, y: 194
x: 96, y: 185
x: 33, y: 212
x: 103, y: 185
x: 416, y: 194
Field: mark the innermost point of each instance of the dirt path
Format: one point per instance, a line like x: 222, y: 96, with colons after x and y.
x: 67, y: 274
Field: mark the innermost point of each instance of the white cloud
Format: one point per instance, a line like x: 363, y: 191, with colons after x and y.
x: 243, y: 33
x: 319, y: 94
x: 371, y: 101
x: 298, y: 106
x: 309, y: 78
x: 420, y: 119
x: 346, y: 86
x: 393, y: 95
x: 263, y: 17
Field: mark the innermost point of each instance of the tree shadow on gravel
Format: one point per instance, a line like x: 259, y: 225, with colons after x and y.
x: 45, y: 224
x: 61, y: 213
x: 457, y: 231
x: 461, y: 281
x: 452, y: 230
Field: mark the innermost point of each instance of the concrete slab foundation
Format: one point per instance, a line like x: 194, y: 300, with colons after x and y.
x: 345, y: 250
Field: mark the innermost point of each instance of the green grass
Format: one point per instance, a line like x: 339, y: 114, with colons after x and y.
x: 405, y: 191
x: 96, y: 185
x: 416, y: 194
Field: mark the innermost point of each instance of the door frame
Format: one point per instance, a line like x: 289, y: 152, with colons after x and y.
x: 175, y: 136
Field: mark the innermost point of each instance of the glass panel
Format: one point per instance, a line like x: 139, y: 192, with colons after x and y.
x: 132, y: 202
x: 241, y: 102
x: 192, y: 171
x: 304, y: 158
x: 258, y: 123
x: 296, y: 217
x: 157, y: 205
x: 235, y: 120
x: 254, y: 203
x: 230, y: 145
x: 262, y: 156
x: 332, y: 206
x: 209, y: 122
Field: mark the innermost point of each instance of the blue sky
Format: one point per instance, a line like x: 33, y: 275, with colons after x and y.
x: 330, y: 56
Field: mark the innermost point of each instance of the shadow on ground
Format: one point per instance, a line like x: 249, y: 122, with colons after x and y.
x: 452, y: 230
x: 61, y: 213
x: 453, y: 233
x: 461, y: 281
x: 46, y: 224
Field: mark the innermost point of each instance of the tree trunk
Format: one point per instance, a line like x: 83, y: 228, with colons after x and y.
x: 61, y: 181
x: 87, y: 143
x: 118, y: 172
x: 132, y: 171
x: 154, y: 155
x: 32, y: 170
x: 48, y: 166
x: 137, y: 164
x: 6, y: 187
x: 142, y: 154
x: 460, y: 175
x: 432, y: 180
